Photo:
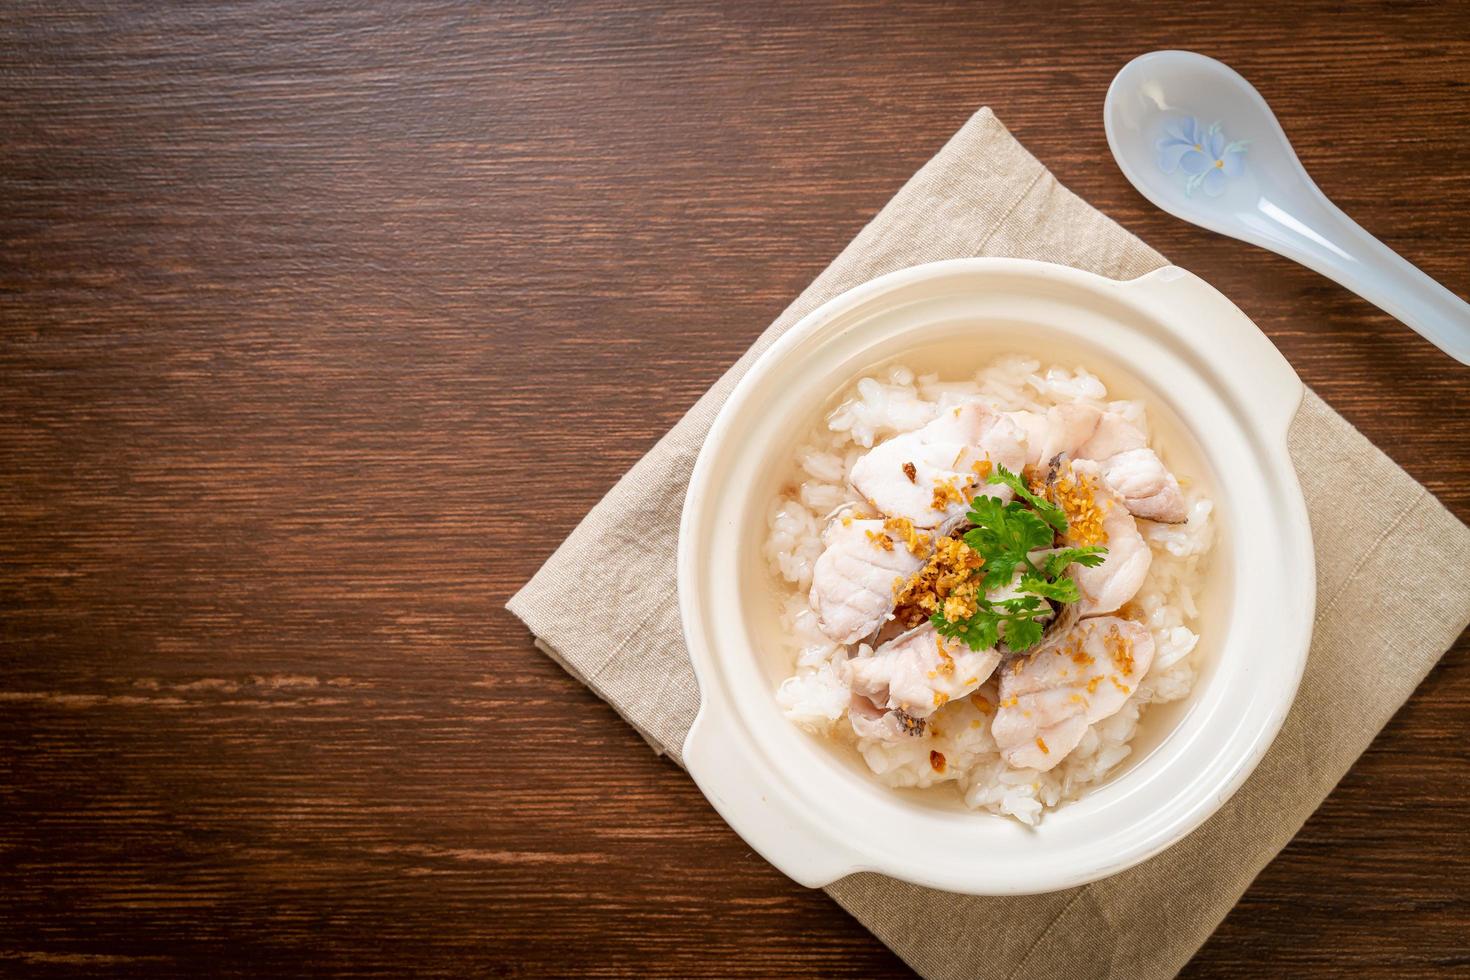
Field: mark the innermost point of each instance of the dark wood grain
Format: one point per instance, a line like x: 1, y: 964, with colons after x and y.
x: 324, y: 322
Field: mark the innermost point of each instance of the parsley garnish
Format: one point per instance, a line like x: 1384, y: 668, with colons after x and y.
x: 982, y: 631
x: 1004, y: 535
x: 1090, y: 556
x: 1049, y: 511
x: 1062, y: 589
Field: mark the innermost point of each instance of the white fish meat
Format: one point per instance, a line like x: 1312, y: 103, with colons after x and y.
x: 880, y: 724
x: 1049, y: 698
x: 1106, y: 587
x: 908, y: 475
x: 1061, y: 430
x: 1145, y: 486
x: 919, y: 672
x: 857, y: 578
x: 1133, y: 471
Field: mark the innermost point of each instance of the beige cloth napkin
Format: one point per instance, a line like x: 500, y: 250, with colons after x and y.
x: 604, y: 606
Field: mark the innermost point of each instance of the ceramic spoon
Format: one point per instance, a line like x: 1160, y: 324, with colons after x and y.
x: 1198, y: 141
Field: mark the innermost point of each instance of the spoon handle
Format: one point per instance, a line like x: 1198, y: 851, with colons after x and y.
x: 1320, y: 236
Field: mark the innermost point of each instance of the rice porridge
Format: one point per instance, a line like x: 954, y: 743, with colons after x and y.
x: 987, y: 581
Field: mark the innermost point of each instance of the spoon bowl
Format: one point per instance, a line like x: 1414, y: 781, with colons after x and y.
x: 1200, y: 142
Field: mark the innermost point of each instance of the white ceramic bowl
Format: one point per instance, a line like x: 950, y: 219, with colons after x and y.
x: 1217, y: 390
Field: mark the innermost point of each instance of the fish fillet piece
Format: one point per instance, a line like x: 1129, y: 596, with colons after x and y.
x: 1107, y: 586
x: 880, y: 724
x: 1049, y: 698
x: 1061, y: 430
x: 1134, y: 471
x: 928, y: 476
x: 1145, y: 486
x: 856, y: 579
x: 919, y: 672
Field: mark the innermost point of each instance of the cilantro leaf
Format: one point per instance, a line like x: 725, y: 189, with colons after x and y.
x: 1022, y: 634
x: 983, y: 630
x: 1003, y: 535
x: 980, y: 632
x: 986, y: 511
x: 1062, y: 589
x: 1018, y: 605
x: 1089, y: 556
x: 1049, y: 511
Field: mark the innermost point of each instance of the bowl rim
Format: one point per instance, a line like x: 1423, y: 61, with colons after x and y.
x: 766, y: 805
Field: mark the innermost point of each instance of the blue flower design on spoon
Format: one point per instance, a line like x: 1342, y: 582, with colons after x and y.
x: 1202, y: 154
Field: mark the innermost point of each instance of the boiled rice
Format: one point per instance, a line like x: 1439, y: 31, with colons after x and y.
x: 816, y: 695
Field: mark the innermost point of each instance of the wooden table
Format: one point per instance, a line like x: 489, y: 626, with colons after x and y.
x: 324, y: 322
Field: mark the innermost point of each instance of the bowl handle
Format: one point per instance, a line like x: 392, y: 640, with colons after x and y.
x: 721, y: 761
x: 1222, y: 334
